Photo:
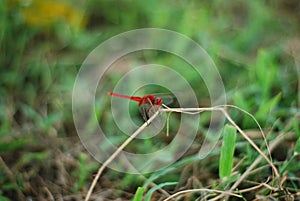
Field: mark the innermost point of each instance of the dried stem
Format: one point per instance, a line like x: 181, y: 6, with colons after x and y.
x: 115, y: 154
x: 189, y: 111
x: 200, y: 190
x: 221, y: 109
x: 11, y: 177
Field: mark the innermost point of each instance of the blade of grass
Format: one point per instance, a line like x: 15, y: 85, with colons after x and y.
x: 297, y: 147
x: 296, y: 127
x: 227, y: 151
x: 152, y: 190
x: 139, y: 194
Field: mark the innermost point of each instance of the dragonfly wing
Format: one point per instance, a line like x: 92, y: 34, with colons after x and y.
x: 143, y: 111
x: 148, y: 110
x: 167, y: 99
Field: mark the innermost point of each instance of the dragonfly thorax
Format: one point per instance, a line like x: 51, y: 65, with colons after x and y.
x: 148, y: 104
x: 158, y: 101
x: 151, y: 100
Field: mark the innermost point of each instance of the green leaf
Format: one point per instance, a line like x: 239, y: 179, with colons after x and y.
x: 296, y: 127
x: 230, y: 180
x: 167, y: 170
x: 297, y: 147
x: 152, y: 190
x: 267, y: 106
x: 35, y: 156
x: 28, y: 158
x: 227, y: 151
x: 48, y: 121
x: 13, y: 145
x: 139, y: 194
x: 240, y: 101
x: 2, y: 198
x: 82, y: 172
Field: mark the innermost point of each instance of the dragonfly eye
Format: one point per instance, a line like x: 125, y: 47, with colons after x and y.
x: 158, y: 101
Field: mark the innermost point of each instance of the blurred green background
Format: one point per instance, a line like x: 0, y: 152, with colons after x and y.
x: 255, y: 45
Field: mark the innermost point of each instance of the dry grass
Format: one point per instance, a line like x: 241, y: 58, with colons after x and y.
x: 275, y: 180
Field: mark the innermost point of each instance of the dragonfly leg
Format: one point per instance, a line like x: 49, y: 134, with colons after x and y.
x: 145, y: 114
x: 145, y: 110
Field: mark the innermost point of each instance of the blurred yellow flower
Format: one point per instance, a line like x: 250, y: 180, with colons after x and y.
x: 46, y: 13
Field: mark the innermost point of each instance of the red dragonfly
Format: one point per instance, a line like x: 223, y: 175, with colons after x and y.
x: 148, y: 104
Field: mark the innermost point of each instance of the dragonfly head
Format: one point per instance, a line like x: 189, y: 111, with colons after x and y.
x: 158, y: 101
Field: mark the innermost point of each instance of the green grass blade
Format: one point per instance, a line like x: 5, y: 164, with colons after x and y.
x: 296, y: 127
x: 227, y: 151
x: 139, y: 194
x: 297, y: 147
x: 2, y: 198
x: 155, y: 188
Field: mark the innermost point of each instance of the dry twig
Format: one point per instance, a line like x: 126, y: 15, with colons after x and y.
x: 115, y: 154
x: 193, y: 111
